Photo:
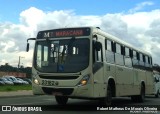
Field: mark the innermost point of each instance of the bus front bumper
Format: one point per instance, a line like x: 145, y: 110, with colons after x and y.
x: 77, y: 91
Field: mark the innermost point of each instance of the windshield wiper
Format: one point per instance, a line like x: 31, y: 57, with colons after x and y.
x: 69, y: 48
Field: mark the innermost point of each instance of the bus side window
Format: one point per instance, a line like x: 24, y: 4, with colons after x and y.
x: 99, y: 57
x: 135, y: 58
x: 150, y: 61
x: 146, y: 61
x: 127, y: 58
x: 109, y: 51
x: 97, y: 54
x: 141, y: 59
x: 119, y: 60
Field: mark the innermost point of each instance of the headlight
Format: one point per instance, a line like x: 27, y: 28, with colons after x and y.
x: 84, y: 80
x: 36, y: 81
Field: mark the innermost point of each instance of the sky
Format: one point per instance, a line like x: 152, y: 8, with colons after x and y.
x: 134, y: 21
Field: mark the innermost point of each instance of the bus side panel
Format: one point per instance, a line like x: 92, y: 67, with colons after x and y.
x: 109, y: 72
x: 128, y: 81
x: 99, y: 89
x: 124, y: 76
x: 136, y: 85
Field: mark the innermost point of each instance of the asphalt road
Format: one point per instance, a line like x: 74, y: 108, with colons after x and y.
x: 74, y: 106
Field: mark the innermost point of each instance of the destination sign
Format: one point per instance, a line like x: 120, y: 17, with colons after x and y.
x: 68, y: 32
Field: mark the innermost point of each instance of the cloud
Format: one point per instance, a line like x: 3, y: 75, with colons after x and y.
x: 140, y: 29
x: 140, y: 6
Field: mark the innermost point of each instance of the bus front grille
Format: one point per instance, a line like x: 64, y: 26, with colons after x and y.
x: 59, y: 77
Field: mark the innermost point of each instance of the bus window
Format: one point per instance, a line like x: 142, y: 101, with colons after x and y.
x: 118, y: 48
x: 141, y: 60
x: 135, y: 58
x: 118, y: 56
x: 127, y: 58
x: 45, y: 53
x: 109, y: 47
x: 99, y: 58
x: 97, y: 54
x: 127, y: 51
x: 138, y: 56
x: 146, y: 61
x: 134, y: 55
x: 39, y: 56
x: 109, y: 52
x: 146, y: 58
x: 131, y: 53
x: 150, y: 61
x: 141, y: 57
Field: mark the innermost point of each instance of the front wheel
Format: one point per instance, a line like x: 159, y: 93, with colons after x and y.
x: 107, y: 101
x: 61, y: 100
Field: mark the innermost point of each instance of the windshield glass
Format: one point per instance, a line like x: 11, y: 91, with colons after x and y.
x: 65, y: 55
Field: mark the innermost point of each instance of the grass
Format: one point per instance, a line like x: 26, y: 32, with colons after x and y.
x: 15, y: 87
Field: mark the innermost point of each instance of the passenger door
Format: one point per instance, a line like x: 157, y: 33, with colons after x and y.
x: 98, y: 68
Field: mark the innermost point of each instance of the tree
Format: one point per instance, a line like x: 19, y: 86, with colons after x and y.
x: 156, y: 67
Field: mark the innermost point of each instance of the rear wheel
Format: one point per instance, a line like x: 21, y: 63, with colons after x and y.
x: 141, y: 97
x: 61, y: 100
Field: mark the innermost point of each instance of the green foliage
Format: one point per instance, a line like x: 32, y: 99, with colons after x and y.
x: 15, y: 87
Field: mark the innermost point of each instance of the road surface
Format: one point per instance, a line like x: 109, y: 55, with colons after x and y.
x: 48, y: 105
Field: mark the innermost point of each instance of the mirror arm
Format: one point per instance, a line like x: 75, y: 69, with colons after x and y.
x: 31, y: 39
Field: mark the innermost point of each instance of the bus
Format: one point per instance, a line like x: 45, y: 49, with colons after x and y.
x: 88, y: 63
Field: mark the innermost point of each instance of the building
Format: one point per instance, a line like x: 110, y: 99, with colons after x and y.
x: 16, y: 74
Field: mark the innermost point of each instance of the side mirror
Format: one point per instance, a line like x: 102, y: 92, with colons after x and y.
x: 98, y: 46
x: 27, y: 48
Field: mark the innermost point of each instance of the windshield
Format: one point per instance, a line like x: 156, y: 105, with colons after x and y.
x: 65, y: 55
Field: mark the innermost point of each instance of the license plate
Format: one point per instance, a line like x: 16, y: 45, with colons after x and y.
x: 49, y: 83
x: 57, y: 94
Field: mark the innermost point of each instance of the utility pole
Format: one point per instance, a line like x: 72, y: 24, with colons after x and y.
x: 19, y: 61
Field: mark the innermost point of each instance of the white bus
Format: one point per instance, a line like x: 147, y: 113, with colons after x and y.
x: 87, y: 63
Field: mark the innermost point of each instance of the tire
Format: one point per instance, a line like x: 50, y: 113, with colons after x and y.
x: 141, y: 97
x: 107, y: 101
x: 134, y: 98
x: 61, y: 100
